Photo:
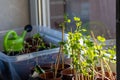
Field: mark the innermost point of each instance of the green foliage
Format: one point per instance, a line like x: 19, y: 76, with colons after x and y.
x: 38, y: 69
x: 37, y: 35
x: 66, y: 21
x: 101, y: 39
x: 52, y: 46
x: 38, y: 41
x: 83, y: 50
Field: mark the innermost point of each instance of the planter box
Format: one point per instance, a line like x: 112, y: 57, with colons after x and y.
x: 24, y: 63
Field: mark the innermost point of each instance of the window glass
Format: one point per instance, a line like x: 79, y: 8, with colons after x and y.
x: 96, y: 15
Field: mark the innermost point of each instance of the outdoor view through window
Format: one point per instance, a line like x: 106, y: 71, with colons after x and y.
x: 96, y: 15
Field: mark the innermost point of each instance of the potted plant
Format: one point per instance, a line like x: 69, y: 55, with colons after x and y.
x: 85, y: 54
x: 75, y: 46
x: 105, y: 56
x: 61, y: 66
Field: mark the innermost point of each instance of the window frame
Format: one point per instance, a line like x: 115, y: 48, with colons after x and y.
x: 40, y: 13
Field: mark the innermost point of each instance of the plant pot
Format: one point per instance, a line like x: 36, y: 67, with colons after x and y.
x: 99, y: 77
x: 49, y: 76
x: 51, y: 67
x: 60, y: 67
x: 46, y: 68
x: 68, y: 61
x: 67, y: 74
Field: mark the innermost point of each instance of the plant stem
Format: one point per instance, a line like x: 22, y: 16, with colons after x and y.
x: 101, y: 61
x: 57, y: 62
x: 75, y: 74
x: 82, y: 76
x: 93, y: 71
x: 63, y: 28
x: 109, y: 70
x: 79, y: 76
x: 102, y: 68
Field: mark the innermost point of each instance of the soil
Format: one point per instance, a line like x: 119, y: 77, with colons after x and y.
x: 33, y: 45
x: 67, y: 74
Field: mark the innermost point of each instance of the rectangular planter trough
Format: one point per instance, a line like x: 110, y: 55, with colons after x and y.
x: 24, y: 63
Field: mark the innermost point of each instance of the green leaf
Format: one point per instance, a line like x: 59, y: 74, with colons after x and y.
x: 101, y: 39
x: 89, y: 61
x: 39, y: 69
x: 68, y: 20
x: 62, y: 43
x: 76, y: 18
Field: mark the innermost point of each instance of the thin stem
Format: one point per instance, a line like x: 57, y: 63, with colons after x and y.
x: 82, y: 76
x: 109, y: 70
x: 75, y: 74
x: 103, y: 72
x: 63, y: 28
x: 57, y: 62
x: 78, y: 76
x: 93, y: 71
x: 101, y: 61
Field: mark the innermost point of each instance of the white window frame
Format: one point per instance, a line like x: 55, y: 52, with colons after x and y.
x: 40, y: 12
x: 46, y: 12
x: 34, y: 12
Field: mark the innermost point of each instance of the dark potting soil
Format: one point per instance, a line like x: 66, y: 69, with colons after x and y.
x: 33, y: 45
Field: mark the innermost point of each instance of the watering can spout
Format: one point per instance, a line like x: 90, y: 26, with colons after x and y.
x: 27, y: 28
x: 23, y: 34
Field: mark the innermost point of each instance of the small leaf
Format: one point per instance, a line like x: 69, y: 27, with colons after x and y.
x: 62, y: 43
x: 89, y: 61
x: 76, y: 18
x: 68, y: 20
x: 100, y: 38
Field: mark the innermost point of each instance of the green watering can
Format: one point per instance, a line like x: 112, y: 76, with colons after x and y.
x: 13, y: 42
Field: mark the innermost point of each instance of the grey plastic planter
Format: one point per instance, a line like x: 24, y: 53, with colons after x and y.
x: 23, y: 63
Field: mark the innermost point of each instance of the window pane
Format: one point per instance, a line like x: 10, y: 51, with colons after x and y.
x: 96, y: 15
x: 57, y: 10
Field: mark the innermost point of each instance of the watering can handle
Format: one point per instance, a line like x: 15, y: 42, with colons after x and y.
x: 7, y: 36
